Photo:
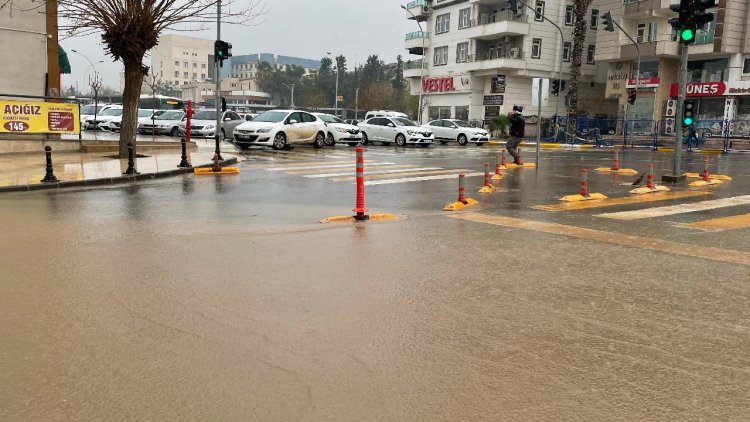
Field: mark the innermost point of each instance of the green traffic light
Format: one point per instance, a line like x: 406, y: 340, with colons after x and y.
x: 687, y: 121
x: 687, y: 34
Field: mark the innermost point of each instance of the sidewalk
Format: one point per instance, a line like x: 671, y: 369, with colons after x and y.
x: 19, y: 172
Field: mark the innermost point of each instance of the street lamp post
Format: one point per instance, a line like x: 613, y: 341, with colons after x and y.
x: 336, y: 94
x: 637, y: 81
x: 291, y: 88
x: 421, y: 76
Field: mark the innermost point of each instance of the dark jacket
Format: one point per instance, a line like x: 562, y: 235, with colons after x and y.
x: 517, y: 124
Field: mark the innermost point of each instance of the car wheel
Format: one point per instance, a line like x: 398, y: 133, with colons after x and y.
x: 279, y: 141
x: 365, y: 141
x: 320, y: 140
x: 175, y: 132
x: 330, y: 141
x: 462, y: 140
x: 401, y: 140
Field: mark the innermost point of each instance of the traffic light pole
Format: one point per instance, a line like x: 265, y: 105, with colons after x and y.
x: 217, y: 92
x: 637, y: 82
x: 677, y: 175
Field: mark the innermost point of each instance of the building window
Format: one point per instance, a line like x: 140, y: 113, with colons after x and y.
x: 653, y: 28
x: 443, y: 112
x: 646, y: 32
x: 161, y: 63
x: 176, y: 62
x: 567, y: 48
x: 186, y: 64
x: 539, y: 11
x: 203, y: 76
x: 590, y: 54
x: 746, y: 66
x: 462, y: 52
x: 195, y: 65
x: 536, y: 48
x: 203, y: 65
x: 176, y: 73
x: 161, y: 74
x: 594, y: 18
x: 464, y: 15
x: 640, y: 32
x: 184, y: 74
x: 195, y: 75
x: 441, y: 56
x: 569, y: 15
x: 442, y: 23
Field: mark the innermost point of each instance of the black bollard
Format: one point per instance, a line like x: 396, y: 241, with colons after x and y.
x: 218, y: 150
x: 131, y: 161
x: 49, y: 175
x: 184, y: 163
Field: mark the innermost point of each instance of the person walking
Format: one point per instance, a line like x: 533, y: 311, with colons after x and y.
x: 517, y: 127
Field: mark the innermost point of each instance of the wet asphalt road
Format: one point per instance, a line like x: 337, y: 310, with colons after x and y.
x: 224, y: 299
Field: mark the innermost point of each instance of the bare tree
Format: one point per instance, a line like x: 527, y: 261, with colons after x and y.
x: 96, y: 84
x: 579, y: 39
x: 129, y: 28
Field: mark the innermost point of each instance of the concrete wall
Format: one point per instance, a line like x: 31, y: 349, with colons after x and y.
x: 23, y: 38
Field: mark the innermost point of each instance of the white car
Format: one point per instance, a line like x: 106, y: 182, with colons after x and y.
x: 339, y: 132
x: 400, y: 130
x: 166, y: 124
x: 102, y: 120
x: 144, y: 115
x: 277, y: 128
x: 203, y: 124
x: 87, y: 113
x: 449, y: 130
x: 384, y: 113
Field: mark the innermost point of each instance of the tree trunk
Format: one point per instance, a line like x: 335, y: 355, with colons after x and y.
x: 130, y: 95
x: 579, y: 39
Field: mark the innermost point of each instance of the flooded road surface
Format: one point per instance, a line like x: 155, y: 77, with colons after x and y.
x: 143, y: 303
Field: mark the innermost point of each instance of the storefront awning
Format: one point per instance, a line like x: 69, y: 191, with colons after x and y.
x: 62, y: 59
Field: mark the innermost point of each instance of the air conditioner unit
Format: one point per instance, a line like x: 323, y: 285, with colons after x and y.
x: 670, y: 108
x: 425, y: 9
x: 669, y: 126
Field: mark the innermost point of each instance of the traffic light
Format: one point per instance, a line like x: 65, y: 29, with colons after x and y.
x: 514, y: 6
x: 223, y: 104
x: 608, y: 24
x: 688, y: 113
x: 691, y: 16
x: 632, y: 94
x: 701, y: 17
x: 222, y: 51
x: 555, y: 87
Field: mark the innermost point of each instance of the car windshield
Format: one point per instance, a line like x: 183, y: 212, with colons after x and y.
x: 112, y: 112
x: 171, y: 115
x: 402, y: 121
x: 330, y: 118
x: 460, y: 123
x: 145, y: 113
x: 89, y: 109
x: 204, y: 115
x: 271, y: 116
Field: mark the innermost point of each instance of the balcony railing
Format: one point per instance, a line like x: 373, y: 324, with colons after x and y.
x: 704, y: 37
x: 417, y: 34
x: 507, y: 15
x: 415, y: 64
x: 511, y: 53
x: 415, y: 3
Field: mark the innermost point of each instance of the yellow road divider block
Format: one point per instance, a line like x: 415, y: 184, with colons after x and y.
x: 200, y: 171
x: 579, y: 197
x: 644, y: 190
x: 383, y: 216
x: 524, y: 165
x: 497, y: 176
x: 487, y: 189
x: 710, y: 176
x: 458, y: 206
x: 701, y: 183
x: 620, y: 171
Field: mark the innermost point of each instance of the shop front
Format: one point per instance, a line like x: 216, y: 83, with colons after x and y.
x: 445, y: 97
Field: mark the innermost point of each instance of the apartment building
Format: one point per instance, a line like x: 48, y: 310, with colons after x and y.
x: 245, y: 66
x: 182, y: 59
x: 480, y: 57
x: 718, y: 67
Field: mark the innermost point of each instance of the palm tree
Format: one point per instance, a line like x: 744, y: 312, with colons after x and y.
x: 579, y: 39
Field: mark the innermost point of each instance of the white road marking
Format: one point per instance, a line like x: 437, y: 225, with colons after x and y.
x: 327, y: 166
x: 678, y: 209
x: 349, y: 173
x: 419, y: 179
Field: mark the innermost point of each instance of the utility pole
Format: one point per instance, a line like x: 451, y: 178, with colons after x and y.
x: 217, y: 66
x: 291, y: 88
x: 356, y: 104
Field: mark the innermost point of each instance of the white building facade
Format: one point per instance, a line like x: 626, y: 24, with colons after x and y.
x: 481, y: 58
x: 182, y: 59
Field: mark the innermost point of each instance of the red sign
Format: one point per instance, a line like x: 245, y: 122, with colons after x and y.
x: 701, y: 89
x: 16, y: 126
x: 438, y: 84
x: 644, y: 82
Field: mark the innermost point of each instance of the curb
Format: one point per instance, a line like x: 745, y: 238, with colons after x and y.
x: 110, y: 180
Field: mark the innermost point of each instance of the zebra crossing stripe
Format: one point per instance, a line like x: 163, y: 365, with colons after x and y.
x: 678, y: 209
x: 400, y: 170
x: 418, y: 179
x: 325, y: 166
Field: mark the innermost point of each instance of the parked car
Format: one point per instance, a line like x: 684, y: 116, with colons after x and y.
x: 144, y: 115
x: 102, y: 119
x: 277, y: 128
x: 400, y: 130
x: 384, y: 113
x: 166, y: 124
x: 87, y: 113
x: 338, y: 131
x: 353, y: 122
x: 203, y: 124
x: 248, y: 117
x: 449, y: 130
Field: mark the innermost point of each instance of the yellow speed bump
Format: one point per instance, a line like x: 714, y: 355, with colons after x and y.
x: 709, y: 182
x: 524, y: 165
x: 645, y: 189
x: 487, y: 189
x: 199, y: 171
x: 458, y: 206
x: 579, y: 197
x: 710, y: 176
x: 620, y: 171
x: 352, y: 219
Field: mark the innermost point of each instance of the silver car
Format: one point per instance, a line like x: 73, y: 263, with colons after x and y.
x: 166, y: 124
x: 203, y: 124
x: 449, y: 130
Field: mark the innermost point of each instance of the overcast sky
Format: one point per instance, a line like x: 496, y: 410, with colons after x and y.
x: 301, y: 28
